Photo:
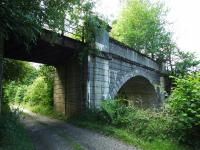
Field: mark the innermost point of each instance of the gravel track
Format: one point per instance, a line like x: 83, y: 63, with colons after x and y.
x: 52, y: 134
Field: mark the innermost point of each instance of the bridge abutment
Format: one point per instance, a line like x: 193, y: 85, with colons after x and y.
x: 69, y: 88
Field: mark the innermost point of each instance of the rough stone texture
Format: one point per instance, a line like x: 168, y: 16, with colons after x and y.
x: 59, y: 89
x: 69, y: 88
x: 118, y: 49
x: 106, y: 77
x: 115, y: 69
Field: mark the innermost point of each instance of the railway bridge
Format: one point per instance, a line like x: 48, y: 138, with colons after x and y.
x: 115, y: 71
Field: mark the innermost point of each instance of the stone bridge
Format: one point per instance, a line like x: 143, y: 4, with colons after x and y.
x: 116, y: 71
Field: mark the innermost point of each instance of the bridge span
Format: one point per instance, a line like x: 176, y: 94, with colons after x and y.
x: 116, y: 71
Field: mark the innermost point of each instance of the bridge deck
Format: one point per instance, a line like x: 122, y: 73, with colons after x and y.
x: 47, y: 50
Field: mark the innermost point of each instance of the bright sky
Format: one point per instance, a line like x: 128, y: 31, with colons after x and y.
x: 183, y: 14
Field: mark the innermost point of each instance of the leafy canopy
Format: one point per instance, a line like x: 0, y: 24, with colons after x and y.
x: 24, y: 19
x: 141, y: 26
x: 184, y: 102
x: 18, y: 71
x: 187, y: 62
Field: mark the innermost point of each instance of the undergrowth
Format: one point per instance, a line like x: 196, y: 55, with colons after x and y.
x: 12, y: 133
x: 146, y: 129
x: 44, y: 110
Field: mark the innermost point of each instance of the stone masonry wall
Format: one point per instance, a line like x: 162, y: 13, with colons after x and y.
x: 59, y: 89
x: 69, y: 91
x: 106, y: 77
x: 113, y: 67
x: 117, y: 48
x: 102, y: 76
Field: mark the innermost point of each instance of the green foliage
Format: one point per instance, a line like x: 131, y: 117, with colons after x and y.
x: 17, y: 76
x: 113, y: 112
x: 178, y: 120
x: 185, y: 104
x: 46, y: 110
x: 29, y: 83
x: 93, y: 120
x: 144, y: 123
x: 94, y: 27
x: 9, y: 91
x: 185, y: 63
x: 152, y: 125
x: 37, y: 93
x: 141, y: 25
x: 12, y: 134
x: 48, y: 72
x: 19, y: 96
x: 18, y: 71
x: 24, y: 20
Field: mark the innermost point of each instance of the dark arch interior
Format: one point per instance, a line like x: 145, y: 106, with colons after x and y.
x: 140, y: 92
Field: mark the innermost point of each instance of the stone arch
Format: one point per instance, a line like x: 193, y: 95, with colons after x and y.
x: 143, y: 87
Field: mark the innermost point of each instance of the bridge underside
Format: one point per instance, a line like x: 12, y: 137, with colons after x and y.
x: 49, y: 49
x: 62, y: 53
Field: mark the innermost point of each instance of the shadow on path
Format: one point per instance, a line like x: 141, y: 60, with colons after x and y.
x: 52, y: 134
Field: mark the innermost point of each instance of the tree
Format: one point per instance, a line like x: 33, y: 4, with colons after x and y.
x: 185, y: 63
x: 141, y: 26
x: 184, y: 102
x: 37, y: 93
x: 18, y: 71
x: 23, y: 20
x: 17, y: 76
x: 48, y: 72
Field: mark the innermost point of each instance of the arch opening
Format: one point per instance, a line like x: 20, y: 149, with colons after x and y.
x: 138, y: 91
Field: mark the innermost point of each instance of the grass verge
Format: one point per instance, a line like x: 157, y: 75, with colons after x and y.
x: 127, y: 136
x: 43, y: 110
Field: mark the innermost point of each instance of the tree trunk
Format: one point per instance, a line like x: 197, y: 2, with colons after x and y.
x: 1, y: 71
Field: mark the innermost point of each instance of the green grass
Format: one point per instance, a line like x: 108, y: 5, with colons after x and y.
x: 127, y: 136
x: 13, y: 135
x: 44, y: 110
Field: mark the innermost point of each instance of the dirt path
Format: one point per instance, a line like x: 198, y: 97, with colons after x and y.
x: 51, y: 134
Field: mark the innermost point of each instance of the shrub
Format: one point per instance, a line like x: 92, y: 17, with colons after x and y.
x: 21, y: 90
x: 153, y: 123
x: 116, y: 113
x: 9, y: 91
x: 37, y: 93
x: 185, y: 104
x: 145, y: 123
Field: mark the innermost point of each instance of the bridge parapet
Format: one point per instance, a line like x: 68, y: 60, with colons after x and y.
x: 113, y: 47
x: 125, y: 52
